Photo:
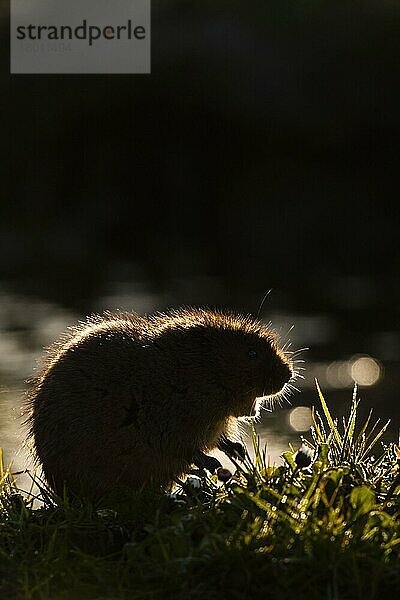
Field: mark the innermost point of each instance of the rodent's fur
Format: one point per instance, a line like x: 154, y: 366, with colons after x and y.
x: 125, y: 399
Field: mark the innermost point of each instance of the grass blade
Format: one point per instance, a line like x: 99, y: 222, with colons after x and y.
x: 328, y: 415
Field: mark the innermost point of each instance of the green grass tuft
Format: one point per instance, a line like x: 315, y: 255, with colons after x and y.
x: 325, y: 524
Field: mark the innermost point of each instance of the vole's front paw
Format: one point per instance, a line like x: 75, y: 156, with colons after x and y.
x: 203, y: 461
x: 234, y: 449
x: 212, y: 464
x: 239, y: 450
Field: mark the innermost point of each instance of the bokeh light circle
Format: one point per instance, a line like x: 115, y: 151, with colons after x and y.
x: 300, y: 418
x: 366, y: 370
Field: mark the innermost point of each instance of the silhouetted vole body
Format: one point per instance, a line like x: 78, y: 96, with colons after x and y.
x: 125, y: 399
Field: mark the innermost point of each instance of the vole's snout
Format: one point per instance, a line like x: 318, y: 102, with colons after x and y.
x: 282, y: 375
x: 286, y: 372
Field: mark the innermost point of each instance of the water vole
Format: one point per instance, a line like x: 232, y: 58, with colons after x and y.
x: 125, y: 399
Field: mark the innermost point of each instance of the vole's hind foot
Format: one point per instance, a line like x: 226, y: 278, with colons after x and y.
x: 234, y: 449
x: 203, y: 461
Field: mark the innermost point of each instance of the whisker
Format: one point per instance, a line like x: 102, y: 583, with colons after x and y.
x: 293, y: 387
x: 287, y: 345
x: 305, y: 349
x: 262, y: 302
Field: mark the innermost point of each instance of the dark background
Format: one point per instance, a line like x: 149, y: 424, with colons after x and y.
x: 262, y: 152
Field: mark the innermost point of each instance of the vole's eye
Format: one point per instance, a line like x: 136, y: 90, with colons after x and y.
x: 252, y: 353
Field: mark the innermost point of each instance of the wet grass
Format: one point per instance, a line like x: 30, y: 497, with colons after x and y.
x: 326, y: 524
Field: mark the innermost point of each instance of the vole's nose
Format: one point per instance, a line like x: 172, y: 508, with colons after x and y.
x: 285, y: 373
